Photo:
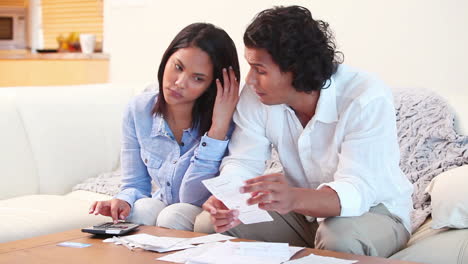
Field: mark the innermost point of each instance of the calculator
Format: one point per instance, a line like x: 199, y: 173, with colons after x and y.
x: 109, y: 228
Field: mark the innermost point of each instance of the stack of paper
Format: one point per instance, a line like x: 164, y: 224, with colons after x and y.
x: 232, y: 252
x: 206, y: 239
x: 247, y: 252
x: 184, y: 255
x: 320, y: 259
x: 165, y: 244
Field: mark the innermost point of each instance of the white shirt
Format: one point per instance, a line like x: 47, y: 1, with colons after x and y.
x: 350, y: 144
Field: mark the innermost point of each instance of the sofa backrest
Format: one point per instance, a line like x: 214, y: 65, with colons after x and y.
x: 17, y: 173
x: 55, y: 137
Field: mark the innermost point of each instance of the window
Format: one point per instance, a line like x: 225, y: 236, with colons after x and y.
x: 66, y: 16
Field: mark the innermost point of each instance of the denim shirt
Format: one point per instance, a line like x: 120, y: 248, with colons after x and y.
x: 151, y: 153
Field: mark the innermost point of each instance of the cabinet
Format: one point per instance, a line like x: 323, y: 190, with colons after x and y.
x: 27, y: 69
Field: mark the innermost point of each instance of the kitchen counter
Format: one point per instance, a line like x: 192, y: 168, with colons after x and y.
x: 53, y: 56
x: 23, y: 68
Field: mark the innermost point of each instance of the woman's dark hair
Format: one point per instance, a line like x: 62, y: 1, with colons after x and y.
x: 297, y: 43
x: 222, y: 52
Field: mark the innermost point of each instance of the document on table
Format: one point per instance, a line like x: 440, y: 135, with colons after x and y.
x: 168, y: 249
x: 227, y: 190
x: 165, y: 244
x: 153, y: 241
x: 279, y: 251
x: 205, y: 239
x: 320, y: 259
x: 234, y: 252
x: 228, y: 253
x: 183, y: 255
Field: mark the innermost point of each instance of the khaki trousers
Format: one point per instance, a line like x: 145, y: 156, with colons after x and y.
x: 152, y: 211
x: 376, y: 233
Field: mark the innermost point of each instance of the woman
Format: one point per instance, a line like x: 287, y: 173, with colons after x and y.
x: 177, y: 137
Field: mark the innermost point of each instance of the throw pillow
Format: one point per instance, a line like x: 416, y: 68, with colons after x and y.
x: 105, y: 183
x: 449, y: 200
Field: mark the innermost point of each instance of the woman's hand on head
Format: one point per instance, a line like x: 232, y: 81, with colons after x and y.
x: 225, y: 104
x: 115, y: 208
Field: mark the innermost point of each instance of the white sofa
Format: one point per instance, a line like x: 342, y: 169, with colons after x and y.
x: 53, y: 138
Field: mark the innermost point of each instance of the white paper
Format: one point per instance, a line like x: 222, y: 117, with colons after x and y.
x: 226, y: 253
x: 163, y: 250
x: 294, y: 250
x: 183, y: 255
x: 153, y: 241
x: 310, y: 259
x: 109, y: 240
x: 194, y: 253
x: 165, y: 244
x: 279, y: 251
x: 205, y: 239
x: 227, y: 190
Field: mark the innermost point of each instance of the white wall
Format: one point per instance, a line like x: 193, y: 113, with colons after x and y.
x: 415, y: 43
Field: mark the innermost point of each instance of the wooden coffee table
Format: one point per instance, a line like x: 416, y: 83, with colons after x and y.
x: 44, y: 250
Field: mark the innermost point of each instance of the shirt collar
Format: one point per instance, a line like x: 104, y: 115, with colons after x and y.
x: 326, y: 110
x: 161, y: 128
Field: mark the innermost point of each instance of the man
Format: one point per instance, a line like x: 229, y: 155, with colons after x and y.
x: 335, y: 132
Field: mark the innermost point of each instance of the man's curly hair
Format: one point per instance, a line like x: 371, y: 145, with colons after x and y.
x: 297, y: 43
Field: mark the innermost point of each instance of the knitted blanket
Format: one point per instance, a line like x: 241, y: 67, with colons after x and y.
x: 428, y: 142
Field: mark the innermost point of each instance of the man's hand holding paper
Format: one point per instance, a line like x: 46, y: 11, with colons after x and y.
x: 228, y: 206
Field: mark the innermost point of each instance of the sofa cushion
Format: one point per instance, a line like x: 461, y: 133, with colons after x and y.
x: 449, y: 199
x: 436, y: 246
x: 36, y: 215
